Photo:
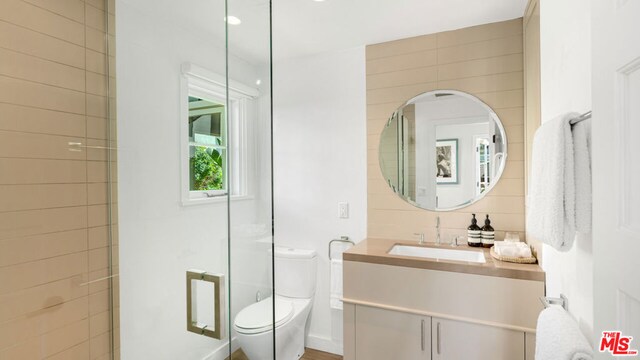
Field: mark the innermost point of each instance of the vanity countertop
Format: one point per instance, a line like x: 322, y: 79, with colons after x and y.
x: 376, y: 251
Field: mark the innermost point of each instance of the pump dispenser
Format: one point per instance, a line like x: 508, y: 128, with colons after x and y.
x: 488, y: 234
x: 474, y: 233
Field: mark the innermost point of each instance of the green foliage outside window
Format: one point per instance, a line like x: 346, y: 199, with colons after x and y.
x: 207, y: 169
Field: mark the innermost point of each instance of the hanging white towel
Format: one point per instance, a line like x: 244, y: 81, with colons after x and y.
x: 336, y: 284
x: 551, y: 213
x: 558, y: 337
x: 582, y: 151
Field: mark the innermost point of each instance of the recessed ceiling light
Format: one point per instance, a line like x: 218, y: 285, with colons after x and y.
x: 258, y: 82
x: 318, y: 0
x: 232, y: 20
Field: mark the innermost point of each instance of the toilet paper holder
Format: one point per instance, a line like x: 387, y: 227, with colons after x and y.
x: 562, y: 301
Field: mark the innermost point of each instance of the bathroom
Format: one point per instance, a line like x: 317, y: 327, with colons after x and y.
x: 184, y: 163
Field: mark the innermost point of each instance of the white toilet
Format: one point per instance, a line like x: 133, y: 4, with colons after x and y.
x: 295, y: 275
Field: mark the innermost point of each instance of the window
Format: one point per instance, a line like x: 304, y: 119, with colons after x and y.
x: 207, y: 146
x: 214, y: 149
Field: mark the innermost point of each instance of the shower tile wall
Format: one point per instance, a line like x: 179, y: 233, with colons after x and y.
x: 485, y: 61
x: 54, y: 217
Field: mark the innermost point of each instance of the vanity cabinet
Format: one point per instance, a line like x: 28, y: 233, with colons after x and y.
x: 385, y: 334
x: 409, y: 308
x: 462, y: 340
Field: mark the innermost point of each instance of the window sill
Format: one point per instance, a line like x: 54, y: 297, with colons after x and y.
x: 215, y: 200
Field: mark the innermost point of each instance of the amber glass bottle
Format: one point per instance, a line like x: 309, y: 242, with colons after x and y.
x: 488, y: 234
x: 474, y: 233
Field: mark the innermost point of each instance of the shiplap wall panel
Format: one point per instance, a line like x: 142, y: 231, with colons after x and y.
x: 485, y: 61
x: 54, y: 218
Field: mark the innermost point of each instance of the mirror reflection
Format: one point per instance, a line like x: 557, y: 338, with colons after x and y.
x: 443, y: 150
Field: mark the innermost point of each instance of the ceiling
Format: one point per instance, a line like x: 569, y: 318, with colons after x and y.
x: 307, y: 27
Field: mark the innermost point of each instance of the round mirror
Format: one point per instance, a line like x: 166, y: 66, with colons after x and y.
x: 443, y: 150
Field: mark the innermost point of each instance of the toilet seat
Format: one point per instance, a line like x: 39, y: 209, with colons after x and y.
x: 256, y: 318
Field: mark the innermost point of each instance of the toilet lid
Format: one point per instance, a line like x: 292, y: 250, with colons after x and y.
x: 257, y: 317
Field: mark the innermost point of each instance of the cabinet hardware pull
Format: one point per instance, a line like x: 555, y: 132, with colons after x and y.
x: 422, y: 335
x: 438, y: 338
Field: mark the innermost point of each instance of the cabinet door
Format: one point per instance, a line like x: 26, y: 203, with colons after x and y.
x: 453, y: 340
x: 530, y: 346
x: 384, y: 335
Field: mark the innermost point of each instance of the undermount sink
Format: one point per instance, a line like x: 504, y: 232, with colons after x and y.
x: 438, y: 254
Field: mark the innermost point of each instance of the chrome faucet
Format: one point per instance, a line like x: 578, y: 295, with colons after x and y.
x: 421, y: 235
x: 438, y: 230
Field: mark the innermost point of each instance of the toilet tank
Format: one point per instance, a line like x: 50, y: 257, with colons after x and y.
x: 295, y: 272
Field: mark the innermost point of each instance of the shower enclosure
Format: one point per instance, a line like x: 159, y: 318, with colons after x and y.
x: 135, y: 176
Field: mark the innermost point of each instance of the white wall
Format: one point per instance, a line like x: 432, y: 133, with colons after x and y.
x: 159, y: 238
x: 565, y: 46
x: 320, y: 160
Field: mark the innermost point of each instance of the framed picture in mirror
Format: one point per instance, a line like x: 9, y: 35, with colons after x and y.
x: 447, y: 161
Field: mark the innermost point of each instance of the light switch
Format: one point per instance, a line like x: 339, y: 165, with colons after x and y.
x: 343, y: 210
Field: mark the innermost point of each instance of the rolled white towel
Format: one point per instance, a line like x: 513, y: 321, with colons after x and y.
x: 511, y: 244
x: 558, y: 337
x: 514, y: 252
x: 512, y: 249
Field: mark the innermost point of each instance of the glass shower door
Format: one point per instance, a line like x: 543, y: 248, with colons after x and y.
x: 194, y: 174
x: 251, y: 233
x: 140, y: 238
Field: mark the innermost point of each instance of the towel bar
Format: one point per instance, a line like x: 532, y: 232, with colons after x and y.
x: 582, y: 117
x: 562, y: 301
x: 344, y: 239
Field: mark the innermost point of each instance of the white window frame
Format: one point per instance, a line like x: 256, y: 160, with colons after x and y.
x: 199, y: 82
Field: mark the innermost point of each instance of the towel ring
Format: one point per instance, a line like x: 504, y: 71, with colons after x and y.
x: 344, y: 239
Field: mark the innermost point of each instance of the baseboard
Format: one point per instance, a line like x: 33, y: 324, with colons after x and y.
x: 323, y: 344
x: 222, y: 352
x: 313, y: 342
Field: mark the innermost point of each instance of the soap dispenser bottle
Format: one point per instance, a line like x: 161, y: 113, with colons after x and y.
x: 474, y: 233
x: 488, y: 233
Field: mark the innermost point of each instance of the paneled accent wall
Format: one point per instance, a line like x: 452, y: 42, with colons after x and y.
x: 485, y: 61
x: 55, y: 298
